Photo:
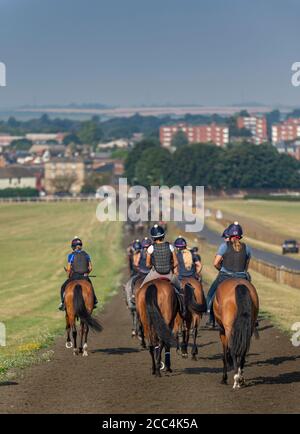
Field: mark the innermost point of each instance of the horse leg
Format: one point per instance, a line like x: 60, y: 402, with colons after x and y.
x: 151, y: 350
x: 133, y: 330
x: 158, y: 351
x: 195, y: 333
x: 183, y: 342
x: 68, y: 328
x: 168, y: 358
x: 225, y: 350
x: 81, y: 337
x: 74, y: 333
x: 85, y: 345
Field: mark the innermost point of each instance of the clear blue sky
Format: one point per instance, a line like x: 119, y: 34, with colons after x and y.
x: 128, y: 52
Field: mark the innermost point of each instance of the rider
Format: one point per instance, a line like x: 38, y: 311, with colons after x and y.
x: 140, y: 258
x: 136, y: 247
x: 78, y: 267
x: 232, y: 260
x: 189, y: 264
x: 162, y: 259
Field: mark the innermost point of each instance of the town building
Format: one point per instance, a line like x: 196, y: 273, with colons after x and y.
x: 257, y: 125
x: 14, y: 176
x: 286, y: 131
x: 64, y: 174
x: 212, y: 133
x: 291, y: 148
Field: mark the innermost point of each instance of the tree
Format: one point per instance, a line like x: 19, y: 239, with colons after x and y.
x: 135, y: 155
x: 71, y: 139
x: 21, y: 144
x: 63, y: 183
x: 154, y: 167
x: 179, y: 139
x: 90, y: 133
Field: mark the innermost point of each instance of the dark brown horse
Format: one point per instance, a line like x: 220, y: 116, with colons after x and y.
x: 236, y: 308
x: 79, y: 302
x: 195, y: 305
x: 157, y: 306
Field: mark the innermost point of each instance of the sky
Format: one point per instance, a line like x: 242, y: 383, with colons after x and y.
x: 133, y: 52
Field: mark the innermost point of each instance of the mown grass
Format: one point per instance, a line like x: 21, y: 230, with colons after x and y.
x: 34, y: 244
x: 280, y: 303
x: 281, y: 217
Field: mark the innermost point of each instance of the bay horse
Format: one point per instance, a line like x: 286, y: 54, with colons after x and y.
x: 236, y: 307
x: 79, y: 302
x: 195, y: 304
x: 157, y: 306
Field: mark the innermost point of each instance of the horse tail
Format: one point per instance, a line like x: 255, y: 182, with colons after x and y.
x: 239, y: 342
x: 81, y: 310
x: 155, y: 318
x: 190, y: 300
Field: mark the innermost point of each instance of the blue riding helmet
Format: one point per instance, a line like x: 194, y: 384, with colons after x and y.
x: 157, y: 232
x: 180, y: 243
x: 137, y: 245
x: 146, y: 242
x: 235, y: 230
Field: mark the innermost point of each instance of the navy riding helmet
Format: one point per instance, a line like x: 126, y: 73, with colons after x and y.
x: 180, y: 243
x: 76, y: 242
x: 226, y: 233
x: 146, y: 242
x: 235, y: 230
x: 157, y: 232
x: 136, y: 245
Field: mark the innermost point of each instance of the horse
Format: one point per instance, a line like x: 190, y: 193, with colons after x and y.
x: 236, y: 307
x: 79, y: 302
x: 195, y: 303
x: 130, y: 290
x: 157, y: 306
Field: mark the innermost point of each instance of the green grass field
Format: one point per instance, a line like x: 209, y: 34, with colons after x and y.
x: 281, y: 217
x: 35, y: 241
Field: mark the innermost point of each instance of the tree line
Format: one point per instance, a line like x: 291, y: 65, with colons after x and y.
x: 242, y: 165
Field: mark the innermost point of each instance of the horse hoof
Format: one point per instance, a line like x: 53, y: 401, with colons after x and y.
x: 194, y: 358
x: 133, y: 334
x: 158, y: 374
x: 69, y: 345
x: 184, y: 355
x: 75, y: 352
x: 85, y: 354
x: 169, y: 370
x: 224, y: 382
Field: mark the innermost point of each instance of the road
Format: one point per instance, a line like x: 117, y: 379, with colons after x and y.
x: 272, y: 258
x: 116, y: 377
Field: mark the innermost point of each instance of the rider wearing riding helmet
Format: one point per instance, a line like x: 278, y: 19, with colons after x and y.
x: 161, y: 259
x: 140, y: 258
x: 232, y: 261
x: 189, y: 263
x: 136, y: 247
x: 79, y: 266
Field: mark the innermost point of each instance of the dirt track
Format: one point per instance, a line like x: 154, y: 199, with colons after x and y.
x: 116, y: 378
